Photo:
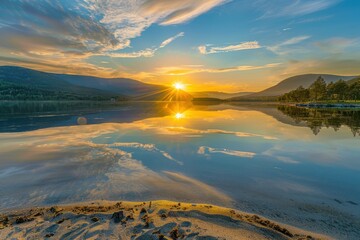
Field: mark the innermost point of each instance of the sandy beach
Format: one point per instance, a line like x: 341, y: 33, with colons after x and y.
x: 143, y: 220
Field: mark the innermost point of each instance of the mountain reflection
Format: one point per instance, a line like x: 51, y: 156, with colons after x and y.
x: 29, y: 116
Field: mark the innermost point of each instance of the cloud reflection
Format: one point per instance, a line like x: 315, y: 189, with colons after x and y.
x: 67, y: 164
x: 209, y: 150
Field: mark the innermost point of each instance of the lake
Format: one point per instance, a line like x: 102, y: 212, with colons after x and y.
x: 293, y: 165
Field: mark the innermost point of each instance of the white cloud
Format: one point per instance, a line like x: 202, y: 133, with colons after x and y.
x: 203, y: 150
x: 286, y: 8
x: 127, y: 19
x: 337, y: 45
x: 62, y: 31
x: 208, y: 49
x: 292, y: 41
x: 185, y: 70
x: 170, y: 40
x: 149, y: 52
x: 177, y: 11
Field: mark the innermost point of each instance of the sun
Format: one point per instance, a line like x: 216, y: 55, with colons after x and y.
x: 179, y: 115
x: 179, y: 86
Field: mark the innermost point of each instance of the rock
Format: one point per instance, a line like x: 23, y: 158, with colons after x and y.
x: 130, y: 217
x: 55, y: 209
x: 95, y: 219
x: 61, y: 221
x: 166, y: 228
x: 206, y: 238
x: 162, y: 213
x: 49, y: 235
x: 186, y: 224
x: 174, y: 233
x: 143, y: 210
x: 20, y: 220
x: 118, y: 216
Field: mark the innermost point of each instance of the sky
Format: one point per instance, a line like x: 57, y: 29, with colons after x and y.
x: 217, y: 45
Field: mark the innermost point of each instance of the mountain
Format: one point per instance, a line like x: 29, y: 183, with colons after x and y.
x: 22, y: 83
x: 123, y: 86
x: 17, y: 83
x: 219, y: 95
x: 354, y: 80
x: 167, y: 95
x: 292, y: 83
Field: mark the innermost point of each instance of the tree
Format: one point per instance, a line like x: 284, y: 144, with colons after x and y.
x: 318, y: 89
x: 338, y: 90
x: 354, y: 91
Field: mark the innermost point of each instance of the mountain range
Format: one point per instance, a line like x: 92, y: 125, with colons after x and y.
x: 294, y: 82
x: 22, y: 83
x: 219, y: 95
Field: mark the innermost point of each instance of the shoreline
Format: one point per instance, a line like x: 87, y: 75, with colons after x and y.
x: 143, y: 220
x: 328, y: 105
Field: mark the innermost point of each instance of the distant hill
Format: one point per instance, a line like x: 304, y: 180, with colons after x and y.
x: 124, y: 86
x: 219, y: 95
x: 354, y: 80
x: 292, y: 83
x: 22, y: 83
x: 41, y: 85
x: 168, y: 94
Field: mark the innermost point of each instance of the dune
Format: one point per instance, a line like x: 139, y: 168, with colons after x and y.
x: 143, y: 220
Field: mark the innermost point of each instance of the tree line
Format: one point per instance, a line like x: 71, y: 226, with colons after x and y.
x: 10, y: 91
x: 320, y: 91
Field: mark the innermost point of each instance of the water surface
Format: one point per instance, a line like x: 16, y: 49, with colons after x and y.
x: 294, y: 165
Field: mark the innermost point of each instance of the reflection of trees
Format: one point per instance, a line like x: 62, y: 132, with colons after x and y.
x: 318, y: 118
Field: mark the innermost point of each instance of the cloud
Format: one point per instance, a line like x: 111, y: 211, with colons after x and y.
x: 78, y: 29
x: 88, y: 170
x: 278, y: 48
x: 336, y: 66
x: 285, y: 8
x: 177, y: 11
x: 207, y: 151
x: 336, y: 45
x: 182, y: 130
x: 149, y: 52
x: 147, y: 147
x: 207, y: 49
x: 191, y: 70
x: 170, y: 40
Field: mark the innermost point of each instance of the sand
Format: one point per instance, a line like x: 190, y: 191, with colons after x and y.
x: 143, y: 220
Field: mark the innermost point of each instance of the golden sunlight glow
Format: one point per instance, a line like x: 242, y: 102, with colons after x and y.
x: 179, y: 115
x: 179, y: 86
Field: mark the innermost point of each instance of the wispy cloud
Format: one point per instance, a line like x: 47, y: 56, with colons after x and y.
x: 79, y: 29
x: 149, y: 52
x: 207, y: 151
x: 208, y: 49
x: 182, y: 130
x: 285, y: 8
x: 336, y: 45
x: 176, y: 11
x: 278, y: 48
x: 191, y: 70
x: 170, y: 40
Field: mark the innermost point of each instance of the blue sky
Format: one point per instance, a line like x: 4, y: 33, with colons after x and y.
x: 238, y: 45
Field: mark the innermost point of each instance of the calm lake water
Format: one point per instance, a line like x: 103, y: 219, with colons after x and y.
x: 293, y: 165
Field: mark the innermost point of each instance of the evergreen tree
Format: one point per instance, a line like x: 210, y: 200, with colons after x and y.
x: 318, y: 89
x: 338, y: 90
